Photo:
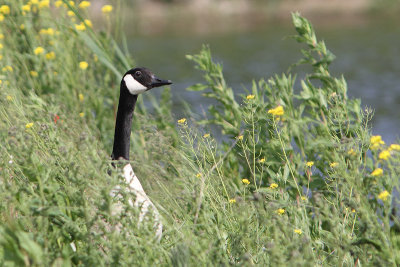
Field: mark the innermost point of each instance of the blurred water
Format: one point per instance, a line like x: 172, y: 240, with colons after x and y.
x: 367, y: 55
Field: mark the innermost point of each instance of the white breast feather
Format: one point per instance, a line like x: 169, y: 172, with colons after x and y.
x: 134, y: 87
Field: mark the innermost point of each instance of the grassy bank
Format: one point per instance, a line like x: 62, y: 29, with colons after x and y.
x: 298, y: 179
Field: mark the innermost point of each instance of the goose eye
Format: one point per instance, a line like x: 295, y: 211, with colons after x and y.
x: 138, y: 74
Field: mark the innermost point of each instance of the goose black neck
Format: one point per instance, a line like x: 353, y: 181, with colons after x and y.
x: 123, y: 124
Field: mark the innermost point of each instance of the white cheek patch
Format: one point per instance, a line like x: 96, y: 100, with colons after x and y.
x: 134, y: 87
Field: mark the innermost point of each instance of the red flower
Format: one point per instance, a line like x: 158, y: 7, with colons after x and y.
x: 56, y: 118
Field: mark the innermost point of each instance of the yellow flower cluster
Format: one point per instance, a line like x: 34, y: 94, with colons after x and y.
x: 298, y: 231
x: 232, y: 200
x: 81, y: 114
x: 249, y: 97
x: 206, y: 135
x: 384, y: 195
x: 394, y: 147
x: 280, y: 211
x: 28, y: 125
x: 385, y: 155
x: 239, y: 137
x: 7, y: 68
x: 106, y: 9
x: 198, y: 175
x: 80, y: 27
x: 26, y: 8
x: 278, y: 111
x: 84, y: 4
x: 377, y: 172
x: 38, y: 50
x: 262, y: 160
x: 333, y: 164
x: 182, y: 121
x: 5, y: 9
x: 273, y: 186
x: 44, y: 3
x: 48, y: 31
x: 310, y: 163
x: 51, y: 55
x: 83, y: 65
x: 81, y: 97
x: 246, y: 181
x: 376, y: 141
x: 33, y: 73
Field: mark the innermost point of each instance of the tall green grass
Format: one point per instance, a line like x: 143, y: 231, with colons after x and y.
x: 298, y: 180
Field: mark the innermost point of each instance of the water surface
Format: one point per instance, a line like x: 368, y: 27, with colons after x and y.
x: 368, y: 56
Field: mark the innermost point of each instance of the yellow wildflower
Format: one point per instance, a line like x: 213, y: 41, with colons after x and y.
x: 262, y: 160
x: 81, y: 114
x: 4, y: 9
x: 34, y: 2
x: 198, y: 175
x: 51, y: 55
x: 182, y: 121
x: 26, y: 8
x: 232, y: 200
x: 83, y: 65
x: 394, y: 147
x: 28, y: 125
x: 34, y: 73
x: 385, y: 154
x: 106, y: 9
x: 249, y: 97
x: 273, y: 186
x: 376, y: 141
x: 278, y: 111
x: 1, y: 17
x: 377, y: 172
x: 84, y: 4
x: 351, y: 152
x: 9, y: 98
x: 1, y: 46
x: 206, y: 135
x: 70, y: 13
x: 310, y: 163
x: 58, y: 3
x: 383, y: 195
x: 304, y: 198
x: 298, y: 231
x: 38, y: 50
x: 80, y: 27
x: 81, y: 97
x: 333, y: 164
x: 44, y: 3
x: 245, y: 181
x: 88, y: 23
x: 240, y: 137
x: 72, y: 3
x: 7, y: 68
x: 280, y: 211
x: 22, y: 26
x: 49, y: 31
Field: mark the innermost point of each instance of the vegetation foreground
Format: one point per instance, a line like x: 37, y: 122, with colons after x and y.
x: 297, y: 180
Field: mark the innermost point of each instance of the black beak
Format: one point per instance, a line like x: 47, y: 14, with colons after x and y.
x: 155, y: 82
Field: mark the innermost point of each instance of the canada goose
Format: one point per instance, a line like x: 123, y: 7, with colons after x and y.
x: 134, y: 82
